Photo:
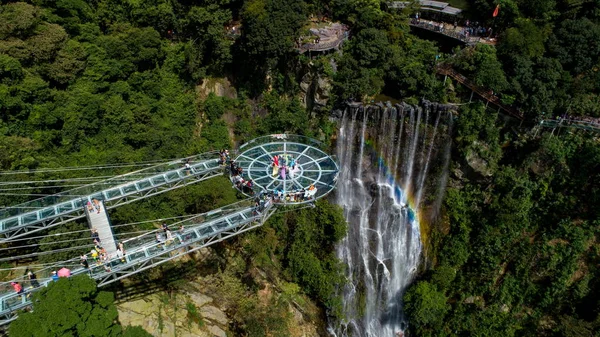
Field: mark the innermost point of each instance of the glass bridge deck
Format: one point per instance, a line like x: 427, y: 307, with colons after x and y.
x: 143, y: 183
x: 303, y: 159
x: 145, y: 252
x: 312, y: 165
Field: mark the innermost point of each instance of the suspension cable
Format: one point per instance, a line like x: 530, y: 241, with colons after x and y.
x: 70, y: 240
x: 39, y: 187
x: 60, y: 250
x: 115, y: 226
x: 127, y: 177
x: 90, y: 167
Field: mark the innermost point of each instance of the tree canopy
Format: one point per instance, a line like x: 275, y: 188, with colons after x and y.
x: 72, y: 307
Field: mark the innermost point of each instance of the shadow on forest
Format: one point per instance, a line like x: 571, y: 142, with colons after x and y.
x: 166, y: 277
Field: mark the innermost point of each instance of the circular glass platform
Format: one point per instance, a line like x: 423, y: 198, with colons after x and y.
x: 304, y: 172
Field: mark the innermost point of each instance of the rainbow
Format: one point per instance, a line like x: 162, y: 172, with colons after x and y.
x: 400, y: 196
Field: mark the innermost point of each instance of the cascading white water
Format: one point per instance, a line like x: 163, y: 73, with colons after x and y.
x: 385, y: 155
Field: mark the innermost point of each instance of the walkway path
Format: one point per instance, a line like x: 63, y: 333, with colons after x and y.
x: 98, y: 220
x: 447, y: 70
x: 458, y: 32
x: 583, y: 123
x: 53, y: 210
x: 315, y: 176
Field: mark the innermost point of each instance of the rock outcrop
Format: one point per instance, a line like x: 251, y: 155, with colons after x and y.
x: 183, y: 314
x: 315, y: 90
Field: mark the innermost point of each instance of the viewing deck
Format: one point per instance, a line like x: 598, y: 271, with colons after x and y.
x: 304, y: 163
x: 325, y: 38
x: 449, y: 30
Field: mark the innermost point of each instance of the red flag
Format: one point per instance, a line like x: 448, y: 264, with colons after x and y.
x: 495, y: 14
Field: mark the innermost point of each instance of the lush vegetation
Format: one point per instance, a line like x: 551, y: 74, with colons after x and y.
x: 291, y: 256
x: 105, y: 81
x: 73, y: 307
x: 517, y: 254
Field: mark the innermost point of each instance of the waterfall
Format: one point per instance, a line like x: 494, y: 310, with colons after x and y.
x: 391, y: 157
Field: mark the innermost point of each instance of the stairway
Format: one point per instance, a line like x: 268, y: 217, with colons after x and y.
x: 101, y: 222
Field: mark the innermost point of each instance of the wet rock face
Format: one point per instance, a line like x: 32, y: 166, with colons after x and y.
x: 315, y: 90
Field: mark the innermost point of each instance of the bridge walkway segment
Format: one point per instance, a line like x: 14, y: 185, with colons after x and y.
x: 447, y: 70
x: 64, y: 207
x: 311, y: 167
x: 145, y: 252
x: 99, y: 221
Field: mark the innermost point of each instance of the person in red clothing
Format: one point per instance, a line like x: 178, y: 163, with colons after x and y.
x: 17, y: 287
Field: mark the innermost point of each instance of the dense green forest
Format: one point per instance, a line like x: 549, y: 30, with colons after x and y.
x: 516, y: 250
x: 516, y: 253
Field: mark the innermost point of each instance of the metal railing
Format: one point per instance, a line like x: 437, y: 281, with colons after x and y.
x: 145, y: 252
x: 64, y: 207
x: 434, y: 27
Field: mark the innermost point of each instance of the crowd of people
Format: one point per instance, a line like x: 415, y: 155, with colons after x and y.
x: 99, y: 256
x: 284, y: 166
x: 33, y: 282
x: 94, y: 206
x: 469, y: 28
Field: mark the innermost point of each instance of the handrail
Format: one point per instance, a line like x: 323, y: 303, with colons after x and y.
x: 450, y: 33
x: 150, y: 249
x: 105, y: 184
x: 447, y: 70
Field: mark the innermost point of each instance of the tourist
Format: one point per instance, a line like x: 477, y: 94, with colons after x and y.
x: 221, y: 155
x: 54, y: 276
x: 17, y: 287
x: 33, y: 282
x: 95, y: 236
x: 121, y: 252
x: 84, y: 261
x: 283, y: 169
x: 275, y: 169
x: 96, y: 205
x: 169, y: 236
x: 164, y: 227
x: 188, y: 167
x: 232, y: 168
x: 121, y: 247
x: 94, y: 255
x: 159, y: 238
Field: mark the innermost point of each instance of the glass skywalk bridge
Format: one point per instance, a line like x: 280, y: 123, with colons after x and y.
x: 60, y: 208
x: 312, y: 175
x: 145, y: 252
x: 588, y: 125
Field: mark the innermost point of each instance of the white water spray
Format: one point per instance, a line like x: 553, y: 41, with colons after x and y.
x: 384, y: 157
